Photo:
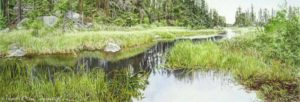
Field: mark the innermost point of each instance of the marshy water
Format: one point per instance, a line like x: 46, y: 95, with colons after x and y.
x: 138, y: 78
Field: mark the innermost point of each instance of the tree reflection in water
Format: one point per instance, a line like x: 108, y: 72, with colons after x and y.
x: 89, y: 78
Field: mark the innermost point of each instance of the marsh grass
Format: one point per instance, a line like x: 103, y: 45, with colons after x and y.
x: 18, y: 84
x: 274, y: 81
x: 70, y: 42
x: 26, y: 82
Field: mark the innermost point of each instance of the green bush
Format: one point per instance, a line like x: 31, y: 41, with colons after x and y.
x: 274, y: 81
x: 281, y: 39
x: 36, y: 25
x: 127, y: 19
x: 2, y: 22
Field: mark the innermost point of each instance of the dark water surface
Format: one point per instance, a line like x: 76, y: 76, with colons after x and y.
x: 138, y: 78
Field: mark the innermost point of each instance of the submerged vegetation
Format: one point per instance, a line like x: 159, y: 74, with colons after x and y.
x: 265, y: 60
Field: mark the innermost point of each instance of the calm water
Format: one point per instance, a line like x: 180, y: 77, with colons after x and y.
x: 194, y: 87
x: 138, y: 78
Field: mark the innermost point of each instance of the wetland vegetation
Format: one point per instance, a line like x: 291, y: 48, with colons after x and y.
x: 263, y: 59
x: 147, y: 51
x: 73, y: 42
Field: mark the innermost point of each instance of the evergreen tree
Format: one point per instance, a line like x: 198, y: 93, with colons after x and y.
x: 193, y: 13
x: 253, y: 16
x: 266, y: 16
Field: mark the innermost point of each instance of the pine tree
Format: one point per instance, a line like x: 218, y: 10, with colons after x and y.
x: 261, y: 17
x: 194, y: 13
x: 266, y: 16
x: 253, y: 16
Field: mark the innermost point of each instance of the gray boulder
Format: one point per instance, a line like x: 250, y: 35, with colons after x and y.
x: 78, y: 25
x: 89, y: 25
x: 49, y: 21
x: 76, y: 17
x: 112, y: 47
x: 5, y: 30
x: 15, y: 51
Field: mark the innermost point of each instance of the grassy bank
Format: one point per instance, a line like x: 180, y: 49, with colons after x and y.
x: 266, y: 60
x: 70, y: 42
x: 274, y: 81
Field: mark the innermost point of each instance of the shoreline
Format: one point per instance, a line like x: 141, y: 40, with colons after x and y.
x: 71, y: 44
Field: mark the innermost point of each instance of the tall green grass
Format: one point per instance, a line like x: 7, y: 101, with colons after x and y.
x: 66, y: 43
x: 15, y: 85
x: 70, y: 42
x: 21, y: 81
x: 274, y: 81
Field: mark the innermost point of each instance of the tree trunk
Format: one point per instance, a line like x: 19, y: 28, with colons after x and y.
x: 106, y: 7
x: 150, y: 17
x: 98, y: 4
x: 6, y: 11
x: 19, y: 3
x: 1, y: 7
x: 140, y: 9
x: 80, y: 6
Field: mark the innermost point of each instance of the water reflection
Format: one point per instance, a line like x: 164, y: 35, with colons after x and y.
x: 138, y: 78
x: 195, y: 86
x: 89, y: 78
x: 64, y: 83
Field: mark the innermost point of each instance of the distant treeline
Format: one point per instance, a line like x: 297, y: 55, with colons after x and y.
x: 260, y: 18
x: 192, y: 13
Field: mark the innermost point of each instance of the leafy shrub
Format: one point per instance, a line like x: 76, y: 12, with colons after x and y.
x: 2, y: 22
x: 36, y: 25
x: 281, y: 39
x: 127, y: 19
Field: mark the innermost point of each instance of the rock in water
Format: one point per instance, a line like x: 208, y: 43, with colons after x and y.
x: 50, y: 21
x: 16, y: 51
x: 112, y: 47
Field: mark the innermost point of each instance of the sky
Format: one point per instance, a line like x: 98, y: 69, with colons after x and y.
x: 228, y: 8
